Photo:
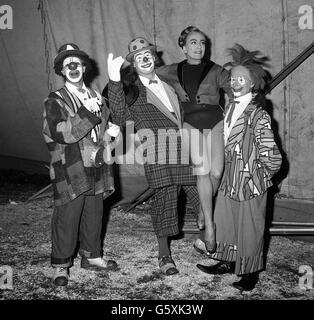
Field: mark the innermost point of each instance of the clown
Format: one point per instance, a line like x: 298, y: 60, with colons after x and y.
x: 156, y: 111
x: 78, y: 134
x: 251, y: 159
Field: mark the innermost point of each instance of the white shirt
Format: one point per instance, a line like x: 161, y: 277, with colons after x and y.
x: 92, y: 104
x: 158, y: 89
x: 238, y: 110
x: 73, y: 89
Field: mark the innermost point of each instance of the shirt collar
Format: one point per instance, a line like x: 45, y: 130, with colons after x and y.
x: 72, y: 88
x: 244, y: 100
x: 145, y: 80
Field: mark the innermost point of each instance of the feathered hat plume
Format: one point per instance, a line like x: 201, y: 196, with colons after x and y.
x: 251, y: 61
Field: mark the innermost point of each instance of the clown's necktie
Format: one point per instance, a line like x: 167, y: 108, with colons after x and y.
x: 230, y: 113
x: 152, y: 81
x: 81, y: 90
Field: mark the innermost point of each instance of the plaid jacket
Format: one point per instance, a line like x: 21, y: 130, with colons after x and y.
x: 166, y: 162
x: 251, y: 156
x: 67, y: 129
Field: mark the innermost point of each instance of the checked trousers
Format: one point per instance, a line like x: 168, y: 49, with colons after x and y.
x: 164, y: 211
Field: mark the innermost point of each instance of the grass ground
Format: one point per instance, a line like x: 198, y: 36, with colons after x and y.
x: 25, y: 247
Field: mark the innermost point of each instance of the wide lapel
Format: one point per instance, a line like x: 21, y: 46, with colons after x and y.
x: 68, y: 100
x: 174, y: 102
x: 104, y: 113
x: 153, y: 99
x: 180, y: 72
x: 209, y: 64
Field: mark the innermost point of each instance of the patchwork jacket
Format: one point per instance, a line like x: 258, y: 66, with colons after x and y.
x: 67, y: 129
x: 251, y: 156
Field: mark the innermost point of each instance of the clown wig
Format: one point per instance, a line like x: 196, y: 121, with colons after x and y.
x: 249, y: 60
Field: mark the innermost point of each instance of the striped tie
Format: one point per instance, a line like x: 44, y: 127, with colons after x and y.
x: 230, y: 113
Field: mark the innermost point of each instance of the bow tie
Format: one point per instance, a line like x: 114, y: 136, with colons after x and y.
x: 81, y: 90
x: 232, y: 107
x: 152, y: 81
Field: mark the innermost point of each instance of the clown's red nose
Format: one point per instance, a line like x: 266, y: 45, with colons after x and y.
x: 72, y: 65
x: 145, y: 59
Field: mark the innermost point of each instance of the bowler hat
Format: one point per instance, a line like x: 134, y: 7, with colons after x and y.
x: 136, y: 45
x: 68, y: 50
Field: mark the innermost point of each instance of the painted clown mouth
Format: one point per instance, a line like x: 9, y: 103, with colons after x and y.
x: 74, y: 74
x: 237, y: 90
x: 146, y: 65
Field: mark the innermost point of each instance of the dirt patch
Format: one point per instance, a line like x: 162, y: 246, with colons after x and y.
x: 25, y: 247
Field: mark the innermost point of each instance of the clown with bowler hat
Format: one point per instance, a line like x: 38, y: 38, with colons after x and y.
x: 79, y: 137
x: 157, y: 118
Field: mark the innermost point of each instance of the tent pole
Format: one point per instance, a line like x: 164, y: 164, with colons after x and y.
x: 290, y: 223
x: 281, y: 75
x: 39, y: 192
x: 291, y: 231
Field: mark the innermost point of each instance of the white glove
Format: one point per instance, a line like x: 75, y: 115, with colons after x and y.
x: 114, y: 66
x: 92, y: 104
x: 113, y: 129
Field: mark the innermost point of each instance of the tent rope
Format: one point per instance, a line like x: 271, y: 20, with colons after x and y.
x: 41, y: 7
x: 154, y: 23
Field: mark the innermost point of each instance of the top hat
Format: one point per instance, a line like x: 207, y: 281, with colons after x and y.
x: 136, y: 45
x: 68, y: 50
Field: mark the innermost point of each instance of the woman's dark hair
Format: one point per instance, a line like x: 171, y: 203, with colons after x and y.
x: 184, y: 34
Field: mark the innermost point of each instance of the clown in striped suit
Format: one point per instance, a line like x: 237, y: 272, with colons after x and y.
x: 252, y: 158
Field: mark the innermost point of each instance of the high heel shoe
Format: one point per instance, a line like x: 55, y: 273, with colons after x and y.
x: 211, y: 245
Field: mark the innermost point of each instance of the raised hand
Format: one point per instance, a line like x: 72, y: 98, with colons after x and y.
x: 114, y: 66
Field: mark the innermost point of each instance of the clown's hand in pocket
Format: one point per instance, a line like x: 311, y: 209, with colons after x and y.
x: 114, y: 66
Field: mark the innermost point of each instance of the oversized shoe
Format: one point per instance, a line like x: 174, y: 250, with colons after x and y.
x: 167, y: 266
x: 60, y: 276
x: 98, y: 264
x: 221, y: 267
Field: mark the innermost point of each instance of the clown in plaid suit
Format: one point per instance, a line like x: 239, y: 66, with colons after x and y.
x: 156, y: 120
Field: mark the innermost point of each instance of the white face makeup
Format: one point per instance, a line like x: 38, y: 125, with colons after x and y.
x: 240, y: 82
x: 144, y: 62
x: 73, y: 69
x: 194, y: 47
